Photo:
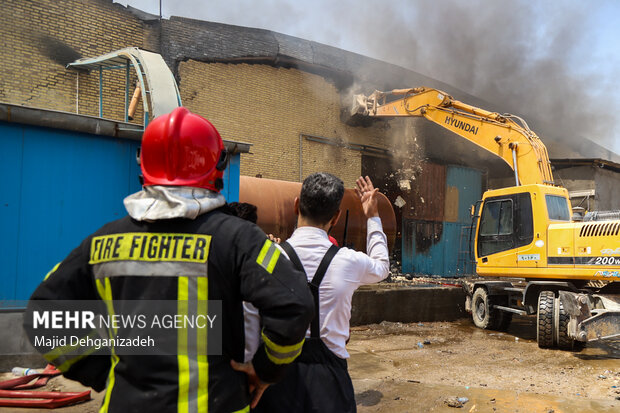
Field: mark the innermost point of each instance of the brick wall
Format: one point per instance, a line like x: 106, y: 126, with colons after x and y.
x: 39, y: 37
x: 257, y: 103
x: 270, y: 107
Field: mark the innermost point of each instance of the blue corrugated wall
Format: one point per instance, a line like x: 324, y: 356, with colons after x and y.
x: 468, y: 182
x: 57, y: 188
x: 440, y: 242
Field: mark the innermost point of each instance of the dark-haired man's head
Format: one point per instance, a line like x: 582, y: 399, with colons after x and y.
x: 320, y: 197
x: 244, y: 210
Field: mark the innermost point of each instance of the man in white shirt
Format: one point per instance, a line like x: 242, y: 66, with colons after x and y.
x: 318, y: 381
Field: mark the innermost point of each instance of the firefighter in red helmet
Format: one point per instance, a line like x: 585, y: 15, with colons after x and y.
x: 179, y: 243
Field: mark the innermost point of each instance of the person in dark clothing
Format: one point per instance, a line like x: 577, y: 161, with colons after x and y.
x: 179, y: 243
x: 244, y: 210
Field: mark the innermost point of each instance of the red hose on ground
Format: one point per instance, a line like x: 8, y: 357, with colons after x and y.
x: 15, y: 389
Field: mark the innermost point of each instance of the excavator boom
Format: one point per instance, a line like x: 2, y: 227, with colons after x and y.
x: 506, y: 136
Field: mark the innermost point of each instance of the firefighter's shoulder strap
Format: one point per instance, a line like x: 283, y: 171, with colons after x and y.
x: 315, y: 331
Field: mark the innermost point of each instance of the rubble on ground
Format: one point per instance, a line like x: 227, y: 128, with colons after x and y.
x: 397, y: 278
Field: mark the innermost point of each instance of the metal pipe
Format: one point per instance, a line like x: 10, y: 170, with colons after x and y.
x: 77, y: 92
x: 275, y: 202
x: 127, y: 92
x: 100, y: 92
x: 513, y: 146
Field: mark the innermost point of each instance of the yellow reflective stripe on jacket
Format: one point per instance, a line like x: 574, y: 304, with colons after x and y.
x: 52, y: 271
x: 203, y: 363
x: 279, y: 348
x: 193, y: 365
x: 105, y: 292
x: 182, y: 359
x: 268, y: 256
x: 111, y: 379
x: 65, y: 356
x: 282, y: 354
x: 246, y: 409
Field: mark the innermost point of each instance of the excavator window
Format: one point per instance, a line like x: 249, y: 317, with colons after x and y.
x: 505, y: 223
x: 496, y: 227
x: 557, y: 208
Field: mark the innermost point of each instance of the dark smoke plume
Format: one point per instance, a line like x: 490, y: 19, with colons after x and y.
x: 529, y: 59
x: 534, y: 59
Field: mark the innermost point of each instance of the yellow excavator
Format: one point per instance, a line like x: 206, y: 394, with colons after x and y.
x: 541, y: 262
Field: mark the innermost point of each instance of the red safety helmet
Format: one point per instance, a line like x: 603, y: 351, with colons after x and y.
x: 183, y: 149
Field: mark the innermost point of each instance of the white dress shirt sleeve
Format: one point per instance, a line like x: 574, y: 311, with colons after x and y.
x: 377, y: 262
x: 251, y: 320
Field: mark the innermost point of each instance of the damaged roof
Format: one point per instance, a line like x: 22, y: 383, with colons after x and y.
x: 182, y: 39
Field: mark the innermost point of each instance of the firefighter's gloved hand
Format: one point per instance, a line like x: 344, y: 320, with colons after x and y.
x: 257, y: 387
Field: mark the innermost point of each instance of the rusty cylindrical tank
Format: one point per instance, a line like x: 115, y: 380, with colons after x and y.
x: 275, y: 202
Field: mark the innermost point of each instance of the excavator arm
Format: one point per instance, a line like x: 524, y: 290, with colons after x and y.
x: 506, y: 136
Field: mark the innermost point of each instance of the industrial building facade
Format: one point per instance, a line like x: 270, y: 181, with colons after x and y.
x: 285, y: 96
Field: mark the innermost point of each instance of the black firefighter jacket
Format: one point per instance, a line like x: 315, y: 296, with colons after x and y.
x: 216, y: 256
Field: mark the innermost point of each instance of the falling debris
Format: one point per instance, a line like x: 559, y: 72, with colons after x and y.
x: 404, y: 184
x: 400, y: 202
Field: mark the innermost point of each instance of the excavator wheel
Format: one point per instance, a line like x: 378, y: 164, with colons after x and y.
x: 544, y: 319
x: 482, y: 311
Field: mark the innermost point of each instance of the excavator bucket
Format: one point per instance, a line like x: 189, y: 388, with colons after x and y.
x: 358, y: 112
x: 359, y: 105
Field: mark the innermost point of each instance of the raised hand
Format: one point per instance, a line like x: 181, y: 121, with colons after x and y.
x: 274, y: 238
x: 368, y: 196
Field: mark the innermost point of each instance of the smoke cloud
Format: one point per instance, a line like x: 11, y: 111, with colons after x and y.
x: 540, y: 60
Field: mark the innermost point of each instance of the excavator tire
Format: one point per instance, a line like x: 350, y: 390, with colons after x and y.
x: 544, y: 319
x: 482, y: 311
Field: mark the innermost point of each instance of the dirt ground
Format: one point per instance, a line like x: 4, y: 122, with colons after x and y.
x: 421, y: 367
x: 425, y: 367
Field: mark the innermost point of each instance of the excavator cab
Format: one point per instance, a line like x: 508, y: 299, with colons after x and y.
x: 511, y: 231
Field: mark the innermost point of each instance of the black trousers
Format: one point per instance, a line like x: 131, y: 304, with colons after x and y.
x: 318, y: 381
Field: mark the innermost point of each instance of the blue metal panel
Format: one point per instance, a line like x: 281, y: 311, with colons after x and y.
x: 231, y: 179
x: 469, y: 184
x: 59, y: 187
x: 422, y: 251
x: 72, y: 184
x: 432, y: 248
x: 451, y: 246
x: 11, y: 140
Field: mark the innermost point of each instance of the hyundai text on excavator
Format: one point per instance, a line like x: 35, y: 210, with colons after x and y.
x: 542, y: 263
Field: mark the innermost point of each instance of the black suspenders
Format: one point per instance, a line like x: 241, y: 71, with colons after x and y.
x: 315, y: 330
